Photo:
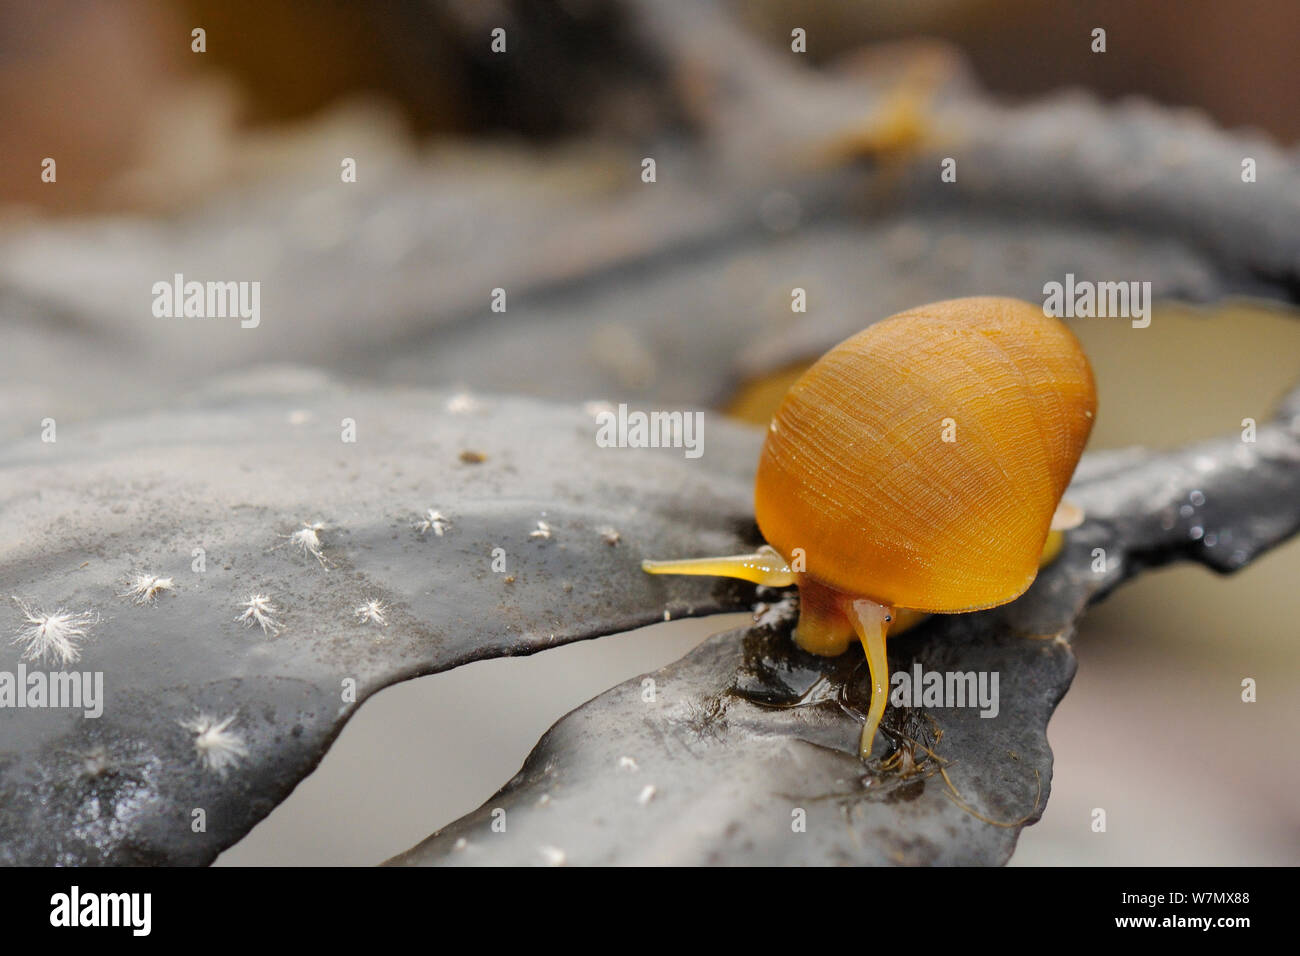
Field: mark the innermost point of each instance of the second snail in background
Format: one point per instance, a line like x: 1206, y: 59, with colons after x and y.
x: 917, y: 468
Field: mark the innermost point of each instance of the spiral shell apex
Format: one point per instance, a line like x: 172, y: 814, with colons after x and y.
x: 919, y: 463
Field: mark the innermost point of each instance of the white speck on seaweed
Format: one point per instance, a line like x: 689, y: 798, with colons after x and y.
x: 434, y: 521
x: 218, y: 747
x: 57, y: 636
x: 258, y: 610
x: 145, y: 588
x: 372, y: 612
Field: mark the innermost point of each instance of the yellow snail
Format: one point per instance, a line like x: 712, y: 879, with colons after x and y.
x: 917, y: 468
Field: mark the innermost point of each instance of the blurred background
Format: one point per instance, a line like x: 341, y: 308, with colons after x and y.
x: 138, y: 120
x: 149, y: 133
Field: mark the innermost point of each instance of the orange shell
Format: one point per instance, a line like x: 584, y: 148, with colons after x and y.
x: 855, y: 470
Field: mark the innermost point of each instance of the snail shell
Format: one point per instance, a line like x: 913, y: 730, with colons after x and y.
x: 857, y: 473
x: 916, y: 468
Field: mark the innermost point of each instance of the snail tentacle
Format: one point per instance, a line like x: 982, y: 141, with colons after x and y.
x: 765, y: 566
x: 872, y: 621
